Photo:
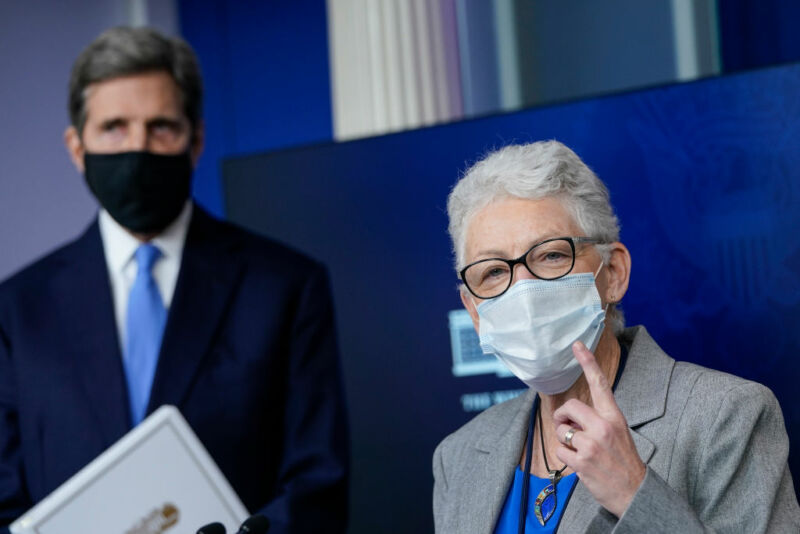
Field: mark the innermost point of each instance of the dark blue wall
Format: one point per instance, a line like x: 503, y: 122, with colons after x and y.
x: 267, y: 84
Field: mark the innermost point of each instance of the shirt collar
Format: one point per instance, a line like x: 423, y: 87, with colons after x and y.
x: 120, y: 245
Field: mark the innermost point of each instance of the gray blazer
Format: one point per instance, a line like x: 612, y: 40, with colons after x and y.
x: 715, y: 447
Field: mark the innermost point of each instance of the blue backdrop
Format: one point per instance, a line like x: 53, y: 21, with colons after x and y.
x: 265, y: 76
x: 704, y: 179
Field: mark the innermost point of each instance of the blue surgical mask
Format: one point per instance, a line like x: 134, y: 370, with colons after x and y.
x: 532, y: 326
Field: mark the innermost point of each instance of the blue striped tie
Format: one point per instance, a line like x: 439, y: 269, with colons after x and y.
x: 145, y: 328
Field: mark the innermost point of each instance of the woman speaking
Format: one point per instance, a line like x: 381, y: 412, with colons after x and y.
x: 613, y: 434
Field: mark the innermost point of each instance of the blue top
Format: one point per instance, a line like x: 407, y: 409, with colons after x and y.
x: 509, y: 517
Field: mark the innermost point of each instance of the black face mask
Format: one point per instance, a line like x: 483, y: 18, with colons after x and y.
x: 142, y: 191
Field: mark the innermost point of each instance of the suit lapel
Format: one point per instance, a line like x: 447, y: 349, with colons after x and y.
x: 498, y: 452
x: 584, y: 514
x: 642, y: 390
x: 583, y: 511
x: 90, y: 332
x: 642, y: 397
x: 207, y: 278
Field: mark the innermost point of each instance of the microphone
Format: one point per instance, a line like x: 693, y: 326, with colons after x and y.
x: 212, y: 528
x: 255, y: 524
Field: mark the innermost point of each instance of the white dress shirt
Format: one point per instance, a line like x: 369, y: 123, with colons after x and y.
x: 120, y: 247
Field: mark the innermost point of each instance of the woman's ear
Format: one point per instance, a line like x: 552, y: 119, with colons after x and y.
x: 618, y: 272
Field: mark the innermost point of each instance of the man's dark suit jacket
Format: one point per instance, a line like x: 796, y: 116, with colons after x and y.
x: 249, y: 356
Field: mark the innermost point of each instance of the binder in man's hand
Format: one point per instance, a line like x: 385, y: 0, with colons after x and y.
x: 158, y: 478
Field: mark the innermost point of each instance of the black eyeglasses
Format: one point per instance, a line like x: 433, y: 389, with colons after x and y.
x: 549, y: 260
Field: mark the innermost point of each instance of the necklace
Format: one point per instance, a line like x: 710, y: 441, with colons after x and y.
x: 546, y: 500
x: 545, y: 504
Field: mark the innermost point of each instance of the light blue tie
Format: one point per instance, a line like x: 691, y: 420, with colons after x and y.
x: 145, y: 328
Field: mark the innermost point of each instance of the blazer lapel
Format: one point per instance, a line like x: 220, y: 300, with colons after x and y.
x: 642, y: 397
x: 207, y: 278
x: 498, y: 451
x: 642, y: 390
x: 584, y: 514
x: 90, y: 332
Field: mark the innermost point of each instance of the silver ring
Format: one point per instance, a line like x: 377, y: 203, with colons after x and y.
x: 568, y: 438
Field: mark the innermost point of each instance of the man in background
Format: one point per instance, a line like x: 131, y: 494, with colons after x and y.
x: 159, y: 303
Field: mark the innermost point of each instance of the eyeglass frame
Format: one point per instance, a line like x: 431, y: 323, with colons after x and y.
x: 512, y: 263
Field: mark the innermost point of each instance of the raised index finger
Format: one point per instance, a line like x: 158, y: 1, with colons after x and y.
x: 600, y: 389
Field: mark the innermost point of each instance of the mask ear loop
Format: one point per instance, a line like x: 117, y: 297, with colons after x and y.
x: 599, y: 269
x: 595, y: 278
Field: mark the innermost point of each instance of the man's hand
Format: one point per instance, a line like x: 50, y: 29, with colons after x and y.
x: 602, y: 453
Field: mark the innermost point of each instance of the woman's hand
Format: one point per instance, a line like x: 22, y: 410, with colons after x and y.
x: 602, y: 453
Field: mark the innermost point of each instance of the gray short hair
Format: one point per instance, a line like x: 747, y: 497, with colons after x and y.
x: 123, y: 51
x: 534, y: 171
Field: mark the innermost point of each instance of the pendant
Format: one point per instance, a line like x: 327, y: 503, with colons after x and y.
x: 545, y: 504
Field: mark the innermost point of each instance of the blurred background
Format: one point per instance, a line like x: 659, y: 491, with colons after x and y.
x: 339, y: 127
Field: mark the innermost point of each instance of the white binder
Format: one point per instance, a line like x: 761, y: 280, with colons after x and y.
x: 158, y: 478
